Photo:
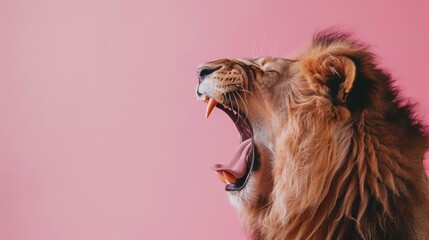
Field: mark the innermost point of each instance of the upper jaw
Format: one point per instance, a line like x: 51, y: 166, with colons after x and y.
x: 226, y: 96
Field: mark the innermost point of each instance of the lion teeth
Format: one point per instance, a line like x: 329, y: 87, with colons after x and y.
x: 221, y: 176
x: 229, y: 179
x: 226, y: 177
x: 227, y: 107
x: 210, y: 105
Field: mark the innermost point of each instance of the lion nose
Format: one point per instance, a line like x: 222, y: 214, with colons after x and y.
x: 204, y: 71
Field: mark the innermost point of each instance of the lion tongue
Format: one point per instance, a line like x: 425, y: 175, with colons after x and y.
x: 236, y: 168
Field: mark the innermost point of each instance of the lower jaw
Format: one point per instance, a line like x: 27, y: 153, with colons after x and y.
x: 251, y: 166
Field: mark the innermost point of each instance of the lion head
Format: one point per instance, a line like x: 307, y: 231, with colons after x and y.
x: 328, y: 149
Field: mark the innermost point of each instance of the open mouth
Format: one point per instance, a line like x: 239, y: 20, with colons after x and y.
x: 236, y: 173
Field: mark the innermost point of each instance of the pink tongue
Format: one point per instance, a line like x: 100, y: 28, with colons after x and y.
x: 237, y: 165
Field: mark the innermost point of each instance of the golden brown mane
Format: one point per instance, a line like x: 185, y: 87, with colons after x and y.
x: 340, y: 153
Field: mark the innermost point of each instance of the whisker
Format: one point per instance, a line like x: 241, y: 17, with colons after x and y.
x: 243, y: 90
x: 238, y: 106
x: 247, y: 91
x: 230, y: 99
x: 245, y: 106
x: 245, y: 97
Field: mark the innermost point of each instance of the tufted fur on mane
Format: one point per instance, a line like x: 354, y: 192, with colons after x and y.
x: 347, y: 161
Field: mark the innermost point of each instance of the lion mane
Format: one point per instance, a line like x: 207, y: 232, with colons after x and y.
x: 339, y: 153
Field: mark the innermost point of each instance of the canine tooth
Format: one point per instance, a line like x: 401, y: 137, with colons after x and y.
x: 229, y: 179
x: 226, y: 177
x: 221, y: 176
x: 211, y: 104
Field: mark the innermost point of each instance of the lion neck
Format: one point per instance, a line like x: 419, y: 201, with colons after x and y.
x: 327, y: 174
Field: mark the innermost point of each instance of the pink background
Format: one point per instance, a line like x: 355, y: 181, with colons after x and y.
x: 101, y: 136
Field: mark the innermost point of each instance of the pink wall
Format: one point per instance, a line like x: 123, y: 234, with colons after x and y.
x: 101, y: 136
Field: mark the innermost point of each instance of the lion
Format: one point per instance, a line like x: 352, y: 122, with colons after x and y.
x: 328, y: 148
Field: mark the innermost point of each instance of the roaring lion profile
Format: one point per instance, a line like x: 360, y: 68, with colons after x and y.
x: 329, y: 150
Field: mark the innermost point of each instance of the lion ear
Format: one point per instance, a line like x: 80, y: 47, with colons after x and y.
x: 348, y: 76
x: 334, y: 75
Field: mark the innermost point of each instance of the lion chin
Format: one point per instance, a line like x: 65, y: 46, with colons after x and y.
x: 328, y: 150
